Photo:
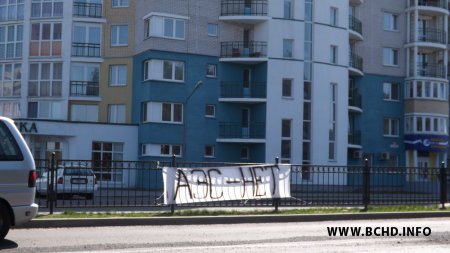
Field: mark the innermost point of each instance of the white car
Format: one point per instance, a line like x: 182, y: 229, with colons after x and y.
x: 69, y: 180
x: 17, y: 178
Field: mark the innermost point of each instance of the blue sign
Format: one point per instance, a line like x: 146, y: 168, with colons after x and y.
x: 421, y: 142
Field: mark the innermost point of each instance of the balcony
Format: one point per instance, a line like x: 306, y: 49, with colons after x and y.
x: 85, y: 49
x: 84, y: 89
x: 355, y: 27
x: 430, y: 35
x: 355, y: 103
x: 240, y: 51
x: 236, y: 92
x: 356, y: 64
x: 354, y: 139
x: 429, y: 70
x: 253, y: 11
x: 89, y: 10
x: 430, y: 6
x: 235, y: 132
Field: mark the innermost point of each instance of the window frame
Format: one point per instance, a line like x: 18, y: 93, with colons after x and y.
x: 394, y: 53
x: 334, y: 16
x: 334, y: 54
x: 118, y: 35
x: 216, y: 30
x: 290, y: 82
x: 389, y: 86
x: 120, y: 5
x: 114, y: 109
x: 211, y: 154
x: 152, y: 62
x: 214, y: 68
x: 112, y: 77
x: 393, y: 20
x: 213, y: 115
x: 288, y: 48
x: 393, y: 130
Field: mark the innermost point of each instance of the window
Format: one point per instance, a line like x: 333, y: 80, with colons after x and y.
x: 45, y: 110
x: 163, y: 150
x: 210, y: 111
x: 391, y: 91
x: 286, y: 140
x: 118, y: 75
x: 86, y: 40
x: 333, y: 123
x: 11, y: 37
x: 209, y: 151
x: 106, y: 156
x: 84, y: 80
x: 119, y: 35
x: 245, y: 153
x: 390, y: 127
x: 333, y: 16
x: 162, y: 112
x: 11, y: 10
x: 426, y: 89
x: 211, y: 70
x: 426, y: 124
x: 10, y: 109
x: 164, y: 70
x: 390, y: 56
x: 9, y: 150
x: 287, y: 87
x: 45, y: 79
x: 212, y: 30
x: 45, y: 39
x: 10, y: 79
x: 288, y: 9
x: 170, y: 26
x: 87, y: 113
x: 116, y: 113
x: 390, y: 22
x: 333, y: 54
x: 120, y: 3
x: 287, y: 48
x: 46, y: 8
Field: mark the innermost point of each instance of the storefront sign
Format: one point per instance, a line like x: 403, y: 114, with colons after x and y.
x: 194, y: 185
x: 27, y: 127
x: 434, y: 143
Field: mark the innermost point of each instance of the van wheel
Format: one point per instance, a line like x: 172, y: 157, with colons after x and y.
x: 5, y: 221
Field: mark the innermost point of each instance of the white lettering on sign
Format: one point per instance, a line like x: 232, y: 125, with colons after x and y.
x: 194, y: 185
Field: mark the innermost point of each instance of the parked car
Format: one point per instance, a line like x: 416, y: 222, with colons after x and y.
x: 17, y: 178
x: 69, y: 180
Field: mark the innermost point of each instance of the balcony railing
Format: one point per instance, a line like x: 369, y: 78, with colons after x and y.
x: 235, y: 130
x: 430, y: 70
x: 430, y: 35
x: 236, y: 90
x: 87, y: 10
x: 430, y: 3
x: 239, y: 49
x: 355, y: 24
x: 354, y: 138
x: 243, y: 8
x: 356, y: 61
x: 86, y: 49
x: 355, y: 100
x: 84, y: 88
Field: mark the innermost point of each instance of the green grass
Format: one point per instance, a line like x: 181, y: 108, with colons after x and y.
x: 231, y: 212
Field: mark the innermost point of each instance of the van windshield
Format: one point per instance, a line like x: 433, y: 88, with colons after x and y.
x: 9, y: 150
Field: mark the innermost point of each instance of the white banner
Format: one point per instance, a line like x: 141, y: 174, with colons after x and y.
x: 194, y: 185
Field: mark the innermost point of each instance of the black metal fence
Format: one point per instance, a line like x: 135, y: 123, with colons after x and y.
x: 91, y: 184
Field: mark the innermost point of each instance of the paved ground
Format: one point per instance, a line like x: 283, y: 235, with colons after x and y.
x: 262, y: 237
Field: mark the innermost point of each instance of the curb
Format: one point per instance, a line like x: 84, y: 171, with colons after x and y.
x: 210, y: 220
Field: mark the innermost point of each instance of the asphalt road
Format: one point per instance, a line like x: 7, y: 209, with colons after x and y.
x: 263, y: 237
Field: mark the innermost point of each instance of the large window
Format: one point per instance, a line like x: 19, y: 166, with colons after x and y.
x: 390, y: 56
x: 162, y: 112
x: 426, y: 90
x: 426, y: 124
x: 84, y: 80
x: 11, y: 37
x: 86, y: 40
x: 10, y: 79
x: 390, y: 127
x: 11, y: 10
x: 164, y: 70
x: 10, y: 109
x: 46, y: 8
x: 45, y: 79
x: 116, y: 113
x: 170, y: 26
x: 118, y: 75
x: 45, y: 109
x: 85, y: 113
x: 45, y: 39
x: 107, y: 160
x: 161, y: 150
x: 391, y: 91
x: 390, y: 22
x: 119, y: 35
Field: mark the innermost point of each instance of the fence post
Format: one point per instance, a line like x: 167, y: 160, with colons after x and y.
x: 276, y: 201
x: 51, y: 196
x: 173, y: 165
x: 366, y: 185
x: 443, y: 174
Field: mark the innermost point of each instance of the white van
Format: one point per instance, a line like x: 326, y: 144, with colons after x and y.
x: 17, y: 178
